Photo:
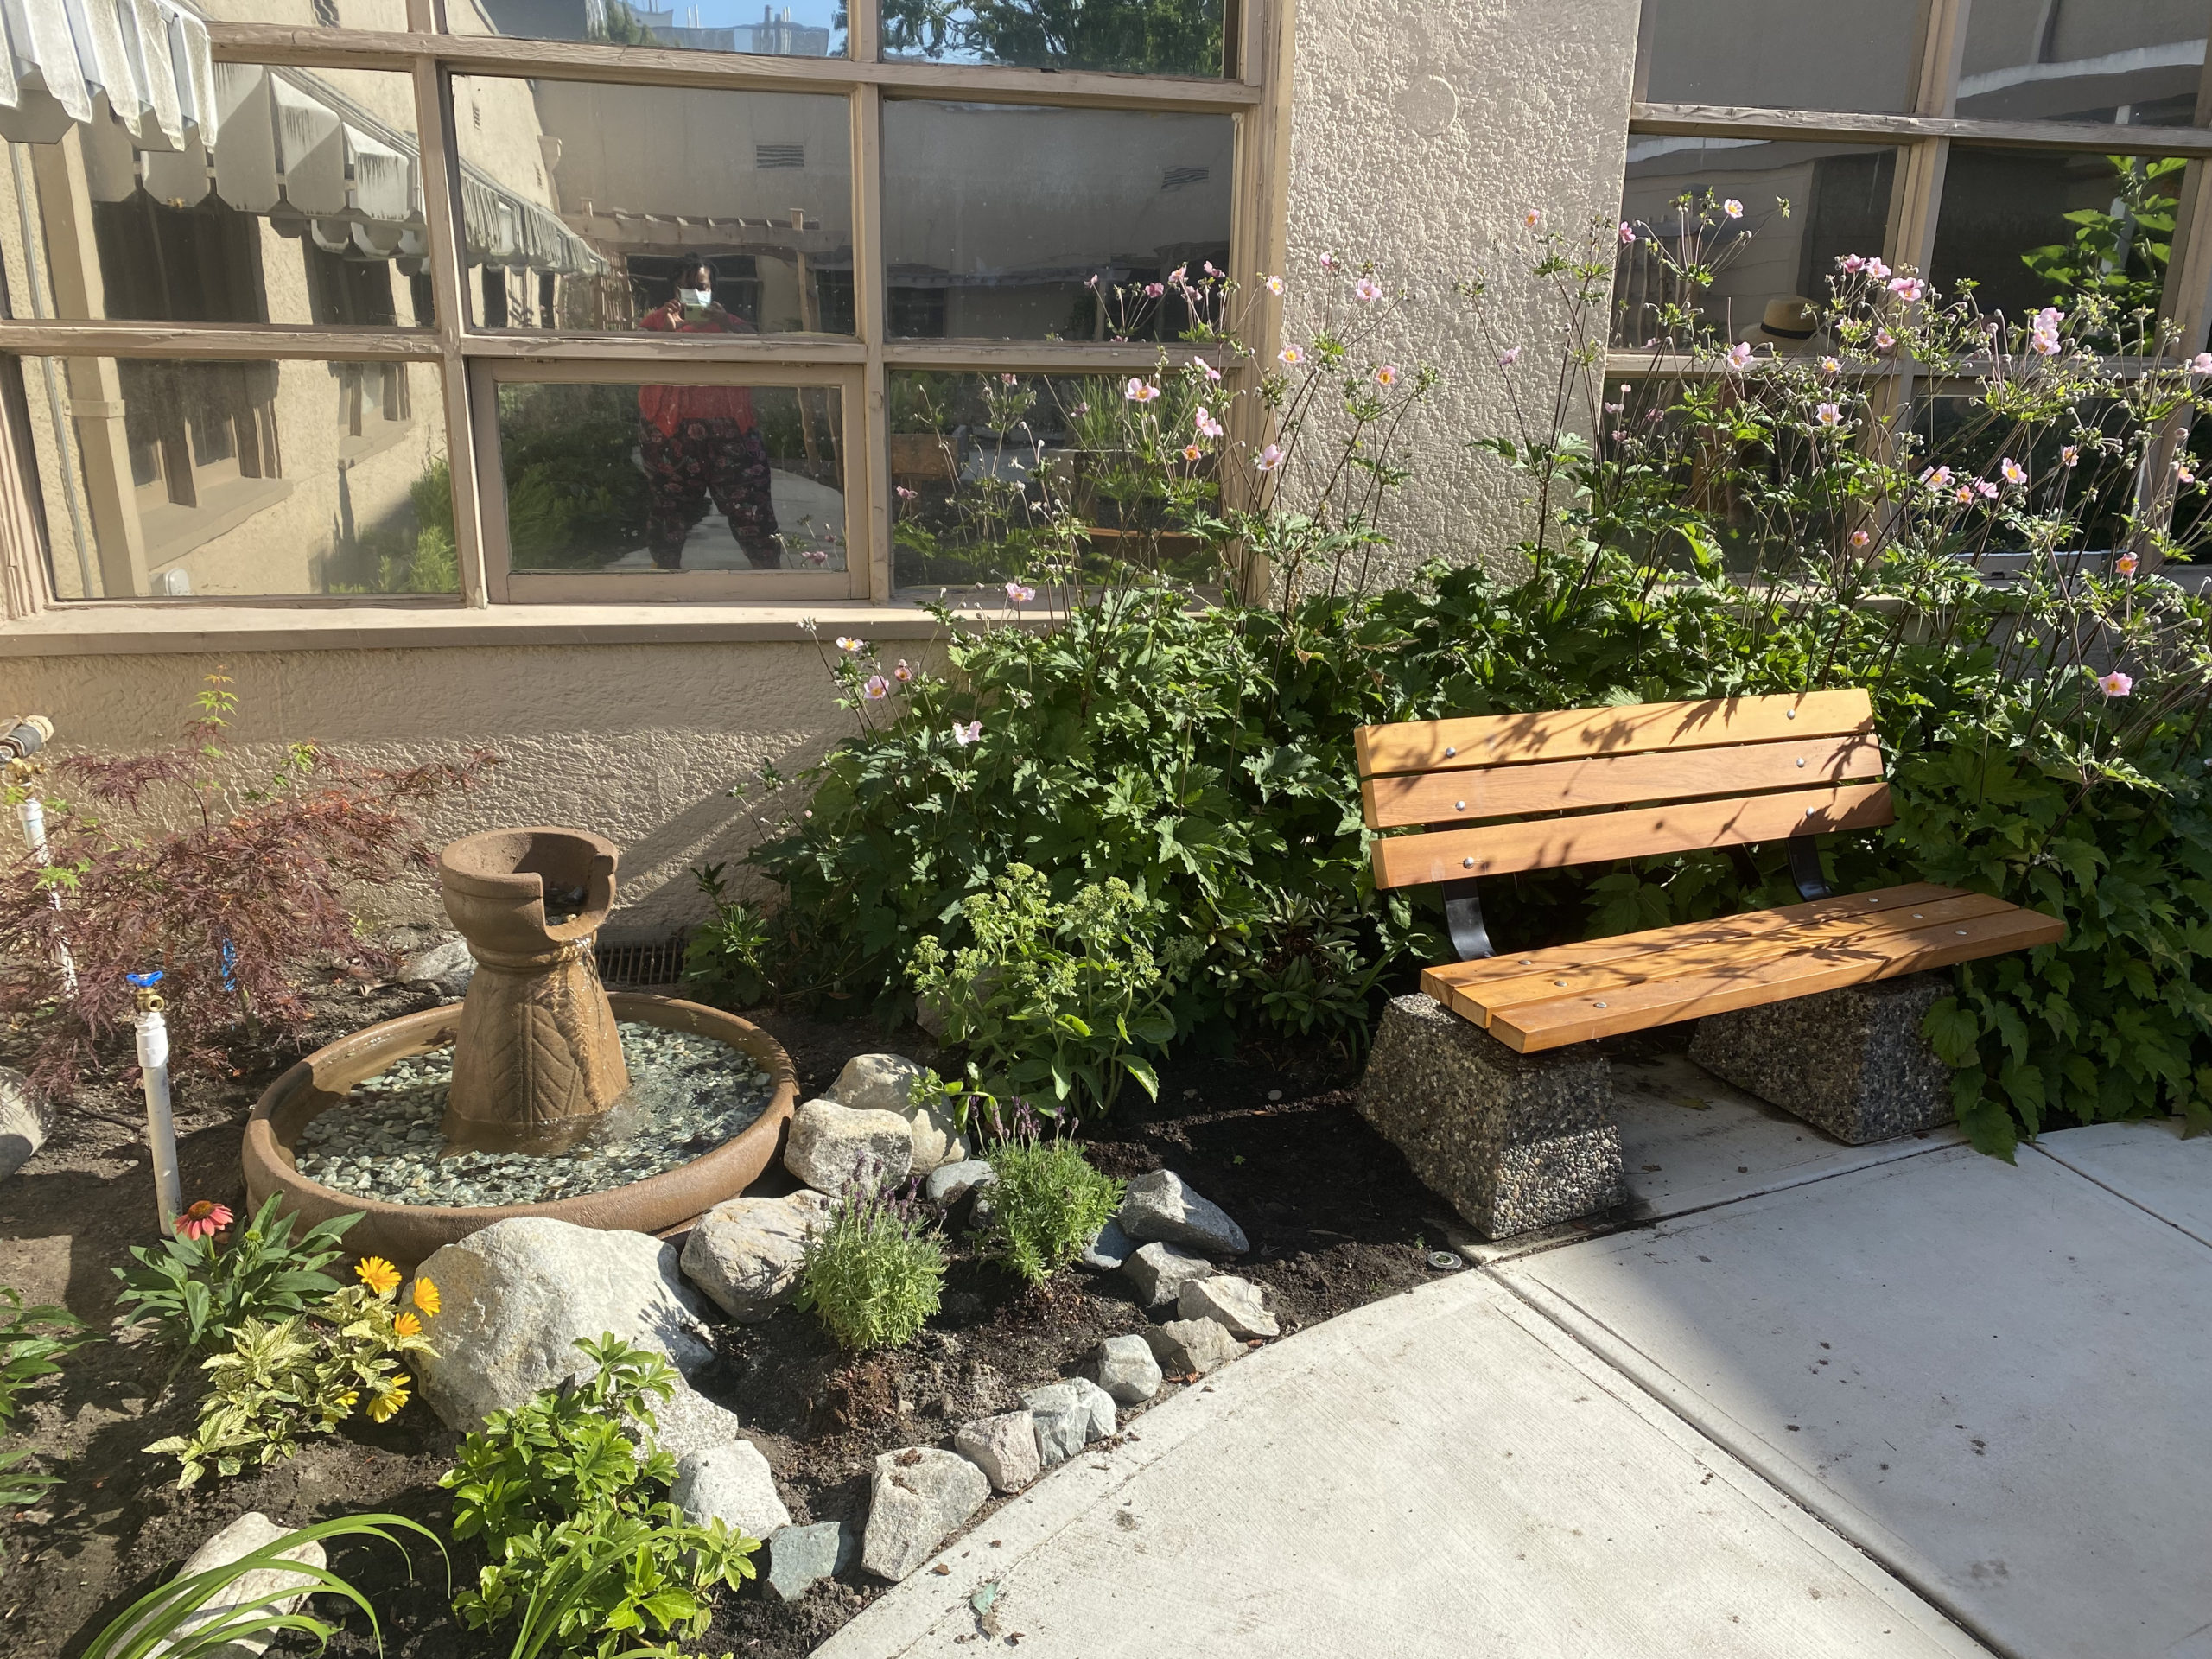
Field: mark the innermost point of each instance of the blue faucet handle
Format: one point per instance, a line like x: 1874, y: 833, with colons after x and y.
x: 143, y: 981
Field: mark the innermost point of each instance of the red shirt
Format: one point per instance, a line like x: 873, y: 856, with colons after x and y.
x: 665, y: 406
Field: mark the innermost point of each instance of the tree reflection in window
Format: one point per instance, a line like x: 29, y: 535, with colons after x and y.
x: 1144, y: 37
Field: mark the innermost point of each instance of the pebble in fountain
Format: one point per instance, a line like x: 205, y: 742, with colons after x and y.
x: 537, y: 1060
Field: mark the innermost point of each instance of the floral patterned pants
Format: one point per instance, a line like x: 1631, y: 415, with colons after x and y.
x: 702, y: 458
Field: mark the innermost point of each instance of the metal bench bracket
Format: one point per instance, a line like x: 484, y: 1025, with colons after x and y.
x: 1463, y: 920
x: 1805, y: 869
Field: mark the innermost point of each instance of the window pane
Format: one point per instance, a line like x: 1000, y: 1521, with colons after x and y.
x: 1804, y: 54
x: 997, y: 217
x: 2083, y: 60
x: 172, y: 479
x: 989, y: 472
x: 795, y: 29
x: 591, y: 207
x: 2004, y: 224
x: 306, y: 206
x: 1771, y: 263
x: 1138, y: 37
x: 646, y: 477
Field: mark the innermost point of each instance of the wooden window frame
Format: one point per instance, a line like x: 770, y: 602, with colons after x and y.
x: 1254, y: 91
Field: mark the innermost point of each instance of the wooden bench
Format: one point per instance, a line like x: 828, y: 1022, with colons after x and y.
x: 1499, y: 795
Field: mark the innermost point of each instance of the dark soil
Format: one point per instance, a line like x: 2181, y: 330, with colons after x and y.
x: 1335, y: 1218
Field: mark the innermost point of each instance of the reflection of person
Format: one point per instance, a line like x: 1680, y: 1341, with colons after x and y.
x: 699, y: 442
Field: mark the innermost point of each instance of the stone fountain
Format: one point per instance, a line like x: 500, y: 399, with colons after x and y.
x: 528, y: 1081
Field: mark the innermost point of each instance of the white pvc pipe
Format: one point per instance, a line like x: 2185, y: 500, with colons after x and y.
x: 161, y: 1123
x: 32, y: 811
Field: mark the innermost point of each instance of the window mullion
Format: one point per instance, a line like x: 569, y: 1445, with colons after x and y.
x: 868, y: 476
x: 465, y: 462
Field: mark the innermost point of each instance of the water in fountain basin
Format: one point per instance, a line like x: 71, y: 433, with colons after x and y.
x: 687, y: 1096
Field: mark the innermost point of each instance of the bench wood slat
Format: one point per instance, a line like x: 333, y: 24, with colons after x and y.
x: 1600, y: 837
x: 1747, y: 924
x: 1619, y: 780
x: 1571, y: 734
x: 1534, y: 1026
x: 1874, y: 932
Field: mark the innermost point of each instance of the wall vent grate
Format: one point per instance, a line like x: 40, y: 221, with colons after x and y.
x: 768, y: 155
x: 640, y: 967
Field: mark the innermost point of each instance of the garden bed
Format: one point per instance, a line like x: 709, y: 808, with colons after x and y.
x: 1334, y: 1217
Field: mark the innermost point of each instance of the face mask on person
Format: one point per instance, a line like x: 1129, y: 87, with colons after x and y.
x: 695, y: 296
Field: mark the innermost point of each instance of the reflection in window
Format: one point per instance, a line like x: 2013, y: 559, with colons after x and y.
x: 1006, y: 222
x: 996, y: 475
x: 2034, y: 227
x: 583, y: 200
x: 2083, y: 60
x: 1772, y: 263
x: 1140, y: 37
x: 682, y: 477
x: 1805, y: 54
x: 795, y: 29
x: 279, y: 195
x: 158, y: 479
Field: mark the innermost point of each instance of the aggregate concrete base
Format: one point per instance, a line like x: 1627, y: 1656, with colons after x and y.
x: 1515, y: 1141
x: 1852, y: 1062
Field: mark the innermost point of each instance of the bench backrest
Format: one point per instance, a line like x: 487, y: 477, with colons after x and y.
x: 1588, y: 785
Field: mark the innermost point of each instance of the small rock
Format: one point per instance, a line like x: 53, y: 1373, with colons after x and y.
x: 1158, y: 1205
x: 250, y: 1531
x: 518, y: 1295
x: 746, y: 1254
x: 800, y: 1557
x: 950, y: 1183
x: 1125, y: 1369
x: 829, y: 1143
x: 919, y: 1496
x: 732, y: 1484
x: 1108, y: 1251
x: 447, y: 966
x: 687, y: 1421
x: 1070, y: 1416
x: 1160, y: 1271
x: 875, y: 1082
x: 22, y: 1127
x: 1004, y: 1447
x: 1229, y: 1302
x: 1182, y: 1346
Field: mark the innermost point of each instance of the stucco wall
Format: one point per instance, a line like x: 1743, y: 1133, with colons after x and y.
x: 639, y: 743
x: 1420, y: 134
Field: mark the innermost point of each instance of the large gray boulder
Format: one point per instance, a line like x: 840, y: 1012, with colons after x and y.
x: 250, y: 1531
x: 950, y: 1183
x: 1108, y: 1251
x: 23, y: 1126
x: 1229, y: 1301
x: 447, y: 967
x: 518, y: 1295
x: 919, y: 1496
x: 831, y: 1144
x: 1070, y: 1416
x: 1158, y: 1272
x: 731, y: 1483
x: 1188, y: 1347
x: 688, y: 1421
x: 1125, y: 1369
x: 1004, y: 1447
x: 884, y: 1082
x: 746, y: 1254
x: 1159, y: 1206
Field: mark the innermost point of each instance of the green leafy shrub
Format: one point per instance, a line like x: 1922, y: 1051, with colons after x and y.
x: 304, y: 1374
x: 33, y: 1341
x: 874, y: 1271
x: 726, y: 957
x: 159, y: 1624
x: 586, y: 1554
x: 1047, y: 1205
x: 194, y: 1292
x: 1058, y: 997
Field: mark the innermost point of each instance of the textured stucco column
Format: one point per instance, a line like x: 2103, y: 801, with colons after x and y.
x: 1420, y: 134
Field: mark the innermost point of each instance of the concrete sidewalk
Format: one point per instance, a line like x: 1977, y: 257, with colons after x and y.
x: 1900, y: 1399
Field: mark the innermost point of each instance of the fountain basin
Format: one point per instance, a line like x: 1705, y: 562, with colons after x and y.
x: 407, y: 1233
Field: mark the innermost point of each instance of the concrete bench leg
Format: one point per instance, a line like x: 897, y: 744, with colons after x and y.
x: 1852, y: 1062
x: 1515, y: 1142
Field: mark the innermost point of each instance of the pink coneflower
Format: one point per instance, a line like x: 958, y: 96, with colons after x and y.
x: 1269, y: 459
x: 1884, y: 340
x: 1859, y: 538
x: 1733, y: 207
x: 1739, y: 356
x: 846, y: 643
x: 1155, y: 291
x: 1210, y: 268
x: 906, y: 494
x: 904, y: 672
x: 814, y: 555
x: 2124, y: 565
x: 1273, y: 286
x: 1368, y: 288
x: 2116, y: 684
x: 2013, y: 472
x: 1009, y: 379
x: 1291, y: 356
x: 1204, y: 420
x: 1532, y: 218
x: 1387, y: 375
x: 1212, y: 374
x: 1852, y: 263
x: 1936, y: 478
x: 1180, y: 275
x: 2201, y: 364
x: 1963, y: 495
x: 875, y: 688
x: 1328, y: 262
x: 2070, y: 455
x: 1829, y: 415
x: 1878, y: 270
x: 963, y: 735
x: 204, y: 1220
x: 1139, y: 390
x: 1908, y: 289
x: 1508, y: 357
x: 1628, y: 233
x: 1019, y: 593
x: 1985, y: 489
x: 1192, y: 451
x: 1830, y: 368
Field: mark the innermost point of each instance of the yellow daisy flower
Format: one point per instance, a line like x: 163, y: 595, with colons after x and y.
x: 379, y: 1275
x: 408, y: 1325
x: 426, y: 1296
x: 393, y: 1397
